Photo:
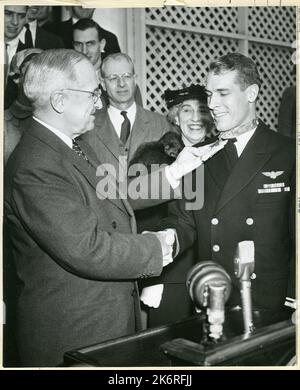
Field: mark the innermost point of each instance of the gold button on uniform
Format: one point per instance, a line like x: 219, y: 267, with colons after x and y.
x: 215, y: 221
x: 216, y: 248
x: 253, y: 276
x: 249, y: 221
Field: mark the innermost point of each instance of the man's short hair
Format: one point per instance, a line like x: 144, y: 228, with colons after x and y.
x: 115, y: 57
x: 84, y: 24
x: 245, y: 67
x: 49, y: 71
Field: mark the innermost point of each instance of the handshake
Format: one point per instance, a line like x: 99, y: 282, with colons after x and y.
x: 167, y: 240
x: 151, y: 296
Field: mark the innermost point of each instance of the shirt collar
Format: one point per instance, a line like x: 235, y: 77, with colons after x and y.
x: 67, y: 140
x: 33, y: 27
x: 131, y: 111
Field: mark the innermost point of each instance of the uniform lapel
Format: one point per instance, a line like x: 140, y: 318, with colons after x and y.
x: 251, y: 161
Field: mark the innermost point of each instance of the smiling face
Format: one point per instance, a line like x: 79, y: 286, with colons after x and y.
x: 230, y: 105
x: 194, y: 120
x: 14, y: 21
x: 119, y: 82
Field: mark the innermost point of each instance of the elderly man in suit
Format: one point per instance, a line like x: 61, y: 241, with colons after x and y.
x: 76, y: 254
x: 249, y: 188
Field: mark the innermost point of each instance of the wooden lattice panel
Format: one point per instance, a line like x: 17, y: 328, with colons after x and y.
x: 276, y: 69
x: 277, y: 23
x: 221, y: 18
x: 175, y: 59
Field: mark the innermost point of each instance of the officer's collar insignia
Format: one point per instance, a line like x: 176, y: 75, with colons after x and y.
x: 273, y: 174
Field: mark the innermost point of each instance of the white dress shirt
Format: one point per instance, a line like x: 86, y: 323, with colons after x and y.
x: 67, y: 140
x: 242, y: 140
x: 32, y: 27
x: 11, y: 46
x: 117, y: 119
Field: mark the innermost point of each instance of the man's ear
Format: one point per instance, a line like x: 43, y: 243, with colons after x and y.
x: 102, y: 45
x: 252, y: 92
x: 102, y: 83
x: 57, y: 102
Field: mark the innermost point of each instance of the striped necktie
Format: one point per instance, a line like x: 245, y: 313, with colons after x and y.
x: 78, y: 150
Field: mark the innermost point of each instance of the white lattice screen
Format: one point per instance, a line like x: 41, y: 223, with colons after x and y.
x: 181, y: 42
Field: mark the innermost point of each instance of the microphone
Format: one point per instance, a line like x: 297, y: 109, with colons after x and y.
x: 209, y: 287
x: 243, y: 269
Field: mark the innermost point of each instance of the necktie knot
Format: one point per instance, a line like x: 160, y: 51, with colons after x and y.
x: 125, y: 128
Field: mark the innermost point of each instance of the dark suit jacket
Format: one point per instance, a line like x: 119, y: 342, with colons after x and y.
x: 241, y: 213
x: 44, y: 40
x: 148, y: 126
x: 65, y: 31
x: 287, y: 113
x: 74, y: 253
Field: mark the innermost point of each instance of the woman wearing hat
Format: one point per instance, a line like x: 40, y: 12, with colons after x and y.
x: 166, y: 295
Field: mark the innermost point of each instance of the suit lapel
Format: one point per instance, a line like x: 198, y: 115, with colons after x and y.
x: 106, y: 133
x: 121, y: 199
x: 139, y: 131
x: 86, y: 169
x: 216, y: 167
x: 251, y: 161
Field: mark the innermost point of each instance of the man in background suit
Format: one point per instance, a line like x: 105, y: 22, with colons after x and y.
x: 76, y: 254
x: 124, y: 125
x: 20, y: 35
x: 249, y: 189
x: 89, y: 40
x: 64, y: 29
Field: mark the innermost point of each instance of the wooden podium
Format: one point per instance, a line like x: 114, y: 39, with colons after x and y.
x: 181, y: 344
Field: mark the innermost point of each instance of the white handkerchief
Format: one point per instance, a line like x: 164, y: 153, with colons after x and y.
x: 151, y: 296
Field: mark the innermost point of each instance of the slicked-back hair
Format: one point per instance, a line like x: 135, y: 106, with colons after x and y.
x: 115, y: 57
x: 49, y: 71
x: 245, y: 67
x: 84, y: 24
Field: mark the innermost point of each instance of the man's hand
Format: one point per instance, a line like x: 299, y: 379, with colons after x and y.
x: 191, y: 158
x: 167, y: 239
x: 151, y: 295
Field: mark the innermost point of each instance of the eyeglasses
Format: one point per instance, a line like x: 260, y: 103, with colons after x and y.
x: 116, y: 77
x: 95, y: 94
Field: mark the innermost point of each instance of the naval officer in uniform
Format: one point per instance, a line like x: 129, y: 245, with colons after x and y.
x: 249, y: 188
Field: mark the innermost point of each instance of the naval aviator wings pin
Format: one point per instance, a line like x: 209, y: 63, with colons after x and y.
x: 273, y: 174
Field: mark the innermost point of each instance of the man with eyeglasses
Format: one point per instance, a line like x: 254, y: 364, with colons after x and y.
x: 90, y: 40
x: 123, y: 126
x: 76, y: 255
